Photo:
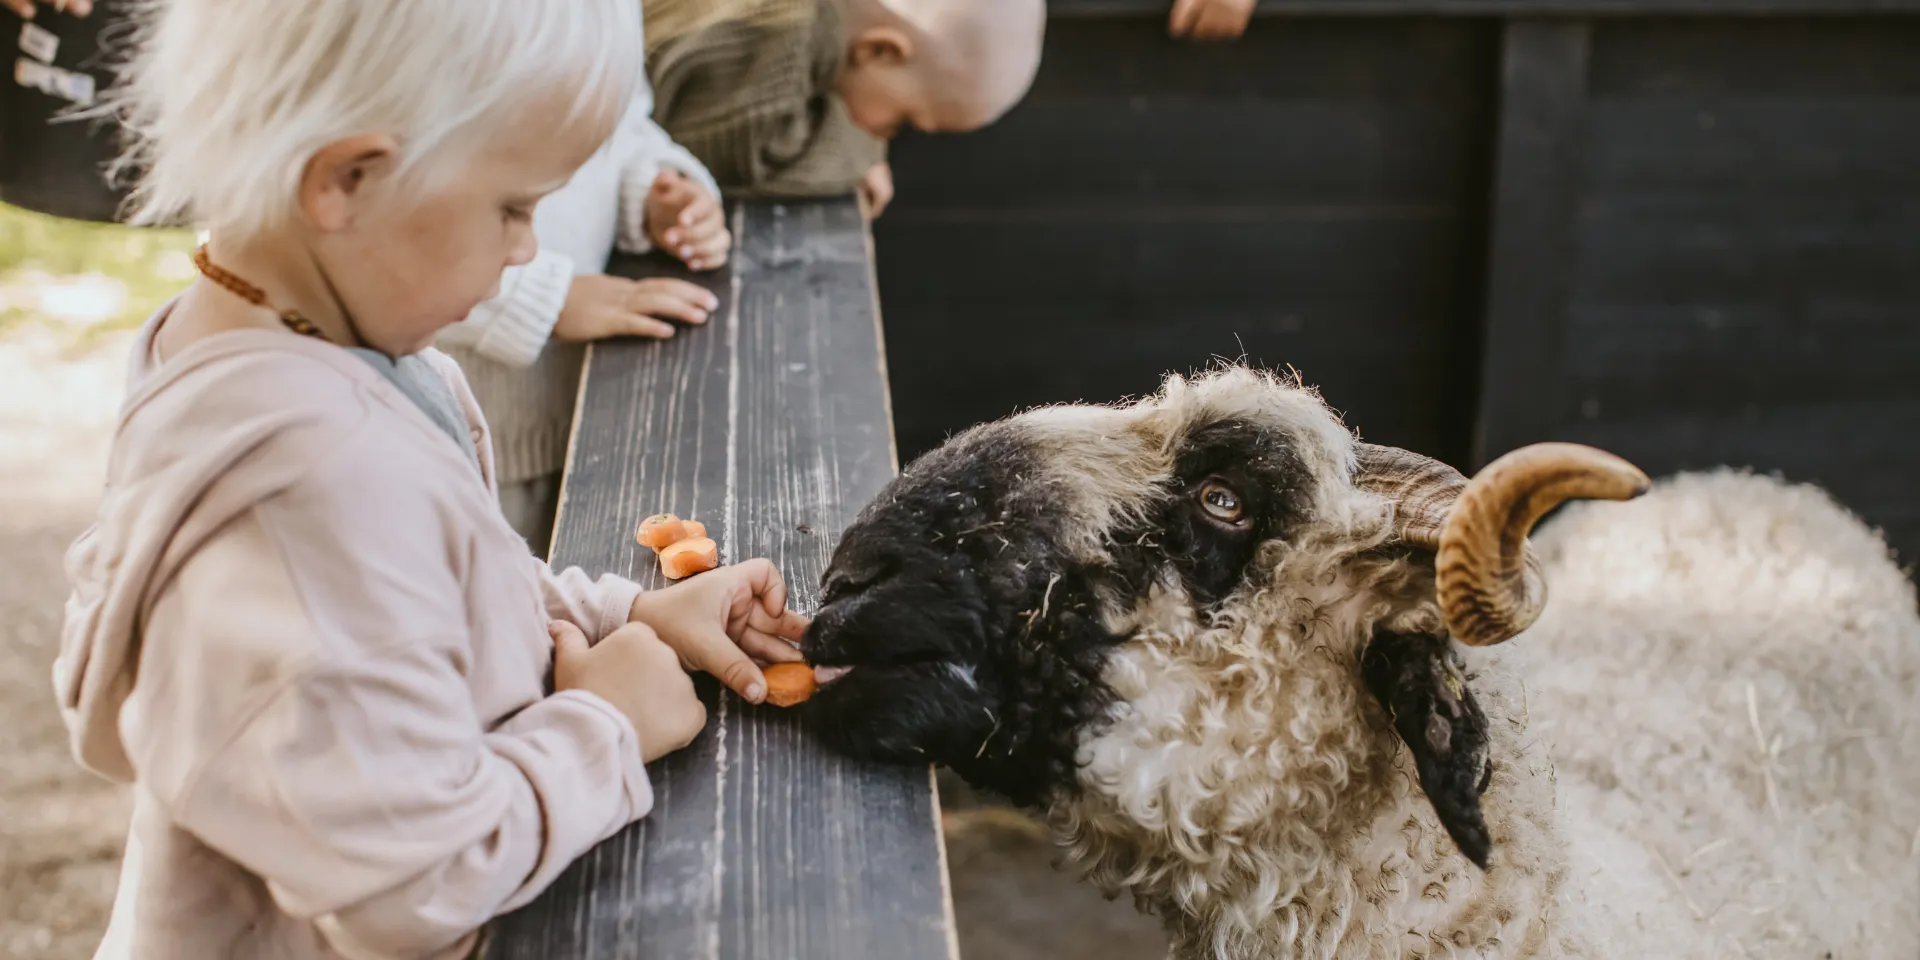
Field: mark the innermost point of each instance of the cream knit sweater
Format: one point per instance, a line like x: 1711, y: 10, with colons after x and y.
x: 526, y: 384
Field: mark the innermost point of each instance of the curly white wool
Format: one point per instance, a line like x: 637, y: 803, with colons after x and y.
x: 226, y: 100
x: 1724, y: 676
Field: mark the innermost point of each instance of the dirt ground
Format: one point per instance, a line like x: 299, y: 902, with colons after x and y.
x: 61, y: 829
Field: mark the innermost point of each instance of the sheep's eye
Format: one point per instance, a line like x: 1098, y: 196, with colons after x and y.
x: 1220, y: 502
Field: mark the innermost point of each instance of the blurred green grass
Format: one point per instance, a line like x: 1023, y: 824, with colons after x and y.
x: 35, y: 249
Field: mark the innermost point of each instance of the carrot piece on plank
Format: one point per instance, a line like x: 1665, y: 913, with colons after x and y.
x: 688, y: 557
x: 695, y: 528
x: 661, y: 530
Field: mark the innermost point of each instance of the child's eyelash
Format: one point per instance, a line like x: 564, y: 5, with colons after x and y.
x: 519, y: 213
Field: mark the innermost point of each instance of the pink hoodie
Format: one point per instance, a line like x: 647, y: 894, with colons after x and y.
x: 303, y: 631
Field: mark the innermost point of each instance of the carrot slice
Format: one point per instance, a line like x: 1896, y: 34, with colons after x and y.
x: 688, y: 557
x: 695, y: 528
x: 789, y: 683
x: 661, y: 530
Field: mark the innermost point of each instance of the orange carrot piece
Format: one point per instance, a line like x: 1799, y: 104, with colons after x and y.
x: 661, y: 530
x: 695, y: 528
x: 789, y: 683
x: 688, y: 557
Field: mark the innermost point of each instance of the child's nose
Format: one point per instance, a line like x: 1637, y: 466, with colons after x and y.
x: 523, y: 250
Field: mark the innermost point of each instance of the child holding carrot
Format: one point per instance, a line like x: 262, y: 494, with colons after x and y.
x: 301, y: 628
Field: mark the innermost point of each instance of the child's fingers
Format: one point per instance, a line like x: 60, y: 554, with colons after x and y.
x: 22, y: 7
x: 767, y: 585
x: 1185, y: 12
x: 711, y: 252
x: 677, y: 299
x: 785, y: 623
x: 714, y: 653
x: 701, y: 210
x: 78, y: 8
x: 568, y: 641
x: 770, y: 648
x: 678, y: 289
x: 697, y: 223
x: 641, y: 325
x: 1220, y: 21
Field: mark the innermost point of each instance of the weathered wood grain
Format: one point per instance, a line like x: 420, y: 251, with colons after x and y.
x: 771, y: 425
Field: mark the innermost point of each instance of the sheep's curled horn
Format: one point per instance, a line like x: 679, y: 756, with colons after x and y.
x: 1489, y: 581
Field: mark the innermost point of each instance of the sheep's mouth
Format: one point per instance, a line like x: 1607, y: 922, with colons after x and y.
x: 825, y: 676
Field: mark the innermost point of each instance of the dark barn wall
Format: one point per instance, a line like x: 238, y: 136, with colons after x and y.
x: 1694, y: 241
x: 1745, y: 283
x: 1310, y: 195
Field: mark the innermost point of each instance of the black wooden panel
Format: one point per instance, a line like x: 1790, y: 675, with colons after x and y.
x: 771, y: 426
x: 1543, y: 90
x: 1745, y: 278
x: 1308, y: 196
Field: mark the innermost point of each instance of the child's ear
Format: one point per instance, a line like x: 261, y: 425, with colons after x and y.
x: 880, y: 46
x: 337, y: 179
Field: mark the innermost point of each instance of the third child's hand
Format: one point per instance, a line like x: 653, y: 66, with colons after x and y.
x: 876, y: 188
x: 25, y: 8
x: 687, y: 221
x: 599, y: 306
x: 636, y: 673
x: 1210, y: 19
x: 724, y: 619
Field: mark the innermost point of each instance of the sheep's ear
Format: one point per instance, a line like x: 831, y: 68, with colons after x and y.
x: 1418, y: 681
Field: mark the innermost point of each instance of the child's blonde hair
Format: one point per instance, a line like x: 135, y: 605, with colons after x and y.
x: 224, y: 101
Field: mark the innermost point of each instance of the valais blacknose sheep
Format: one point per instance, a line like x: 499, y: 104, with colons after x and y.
x: 1247, y: 668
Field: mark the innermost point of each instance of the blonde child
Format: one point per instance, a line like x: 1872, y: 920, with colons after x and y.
x: 301, y: 628
x: 798, y: 97
x: 523, y: 349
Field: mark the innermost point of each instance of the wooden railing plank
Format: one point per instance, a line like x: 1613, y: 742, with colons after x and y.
x: 771, y: 426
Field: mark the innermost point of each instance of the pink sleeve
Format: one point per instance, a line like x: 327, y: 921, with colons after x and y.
x: 393, y: 821
x: 597, y: 607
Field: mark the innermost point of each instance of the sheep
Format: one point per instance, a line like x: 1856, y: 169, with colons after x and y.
x: 1252, y: 671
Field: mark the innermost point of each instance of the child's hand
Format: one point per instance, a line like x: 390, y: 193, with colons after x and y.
x: 1210, y: 19
x: 686, y: 221
x: 24, y: 8
x: 599, y: 306
x: 715, y: 620
x: 639, y: 675
x: 876, y: 188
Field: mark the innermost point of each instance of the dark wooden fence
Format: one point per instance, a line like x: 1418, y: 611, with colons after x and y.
x: 1686, y: 231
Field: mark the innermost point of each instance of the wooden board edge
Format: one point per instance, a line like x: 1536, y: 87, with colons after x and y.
x: 949, y: 918
x: 573, y: 441
x: 879, y: 329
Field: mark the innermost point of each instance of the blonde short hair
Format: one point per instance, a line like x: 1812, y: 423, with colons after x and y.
x: 224, y: 101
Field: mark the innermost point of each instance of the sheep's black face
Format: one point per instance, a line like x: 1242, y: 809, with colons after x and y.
x: 974, y: 600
